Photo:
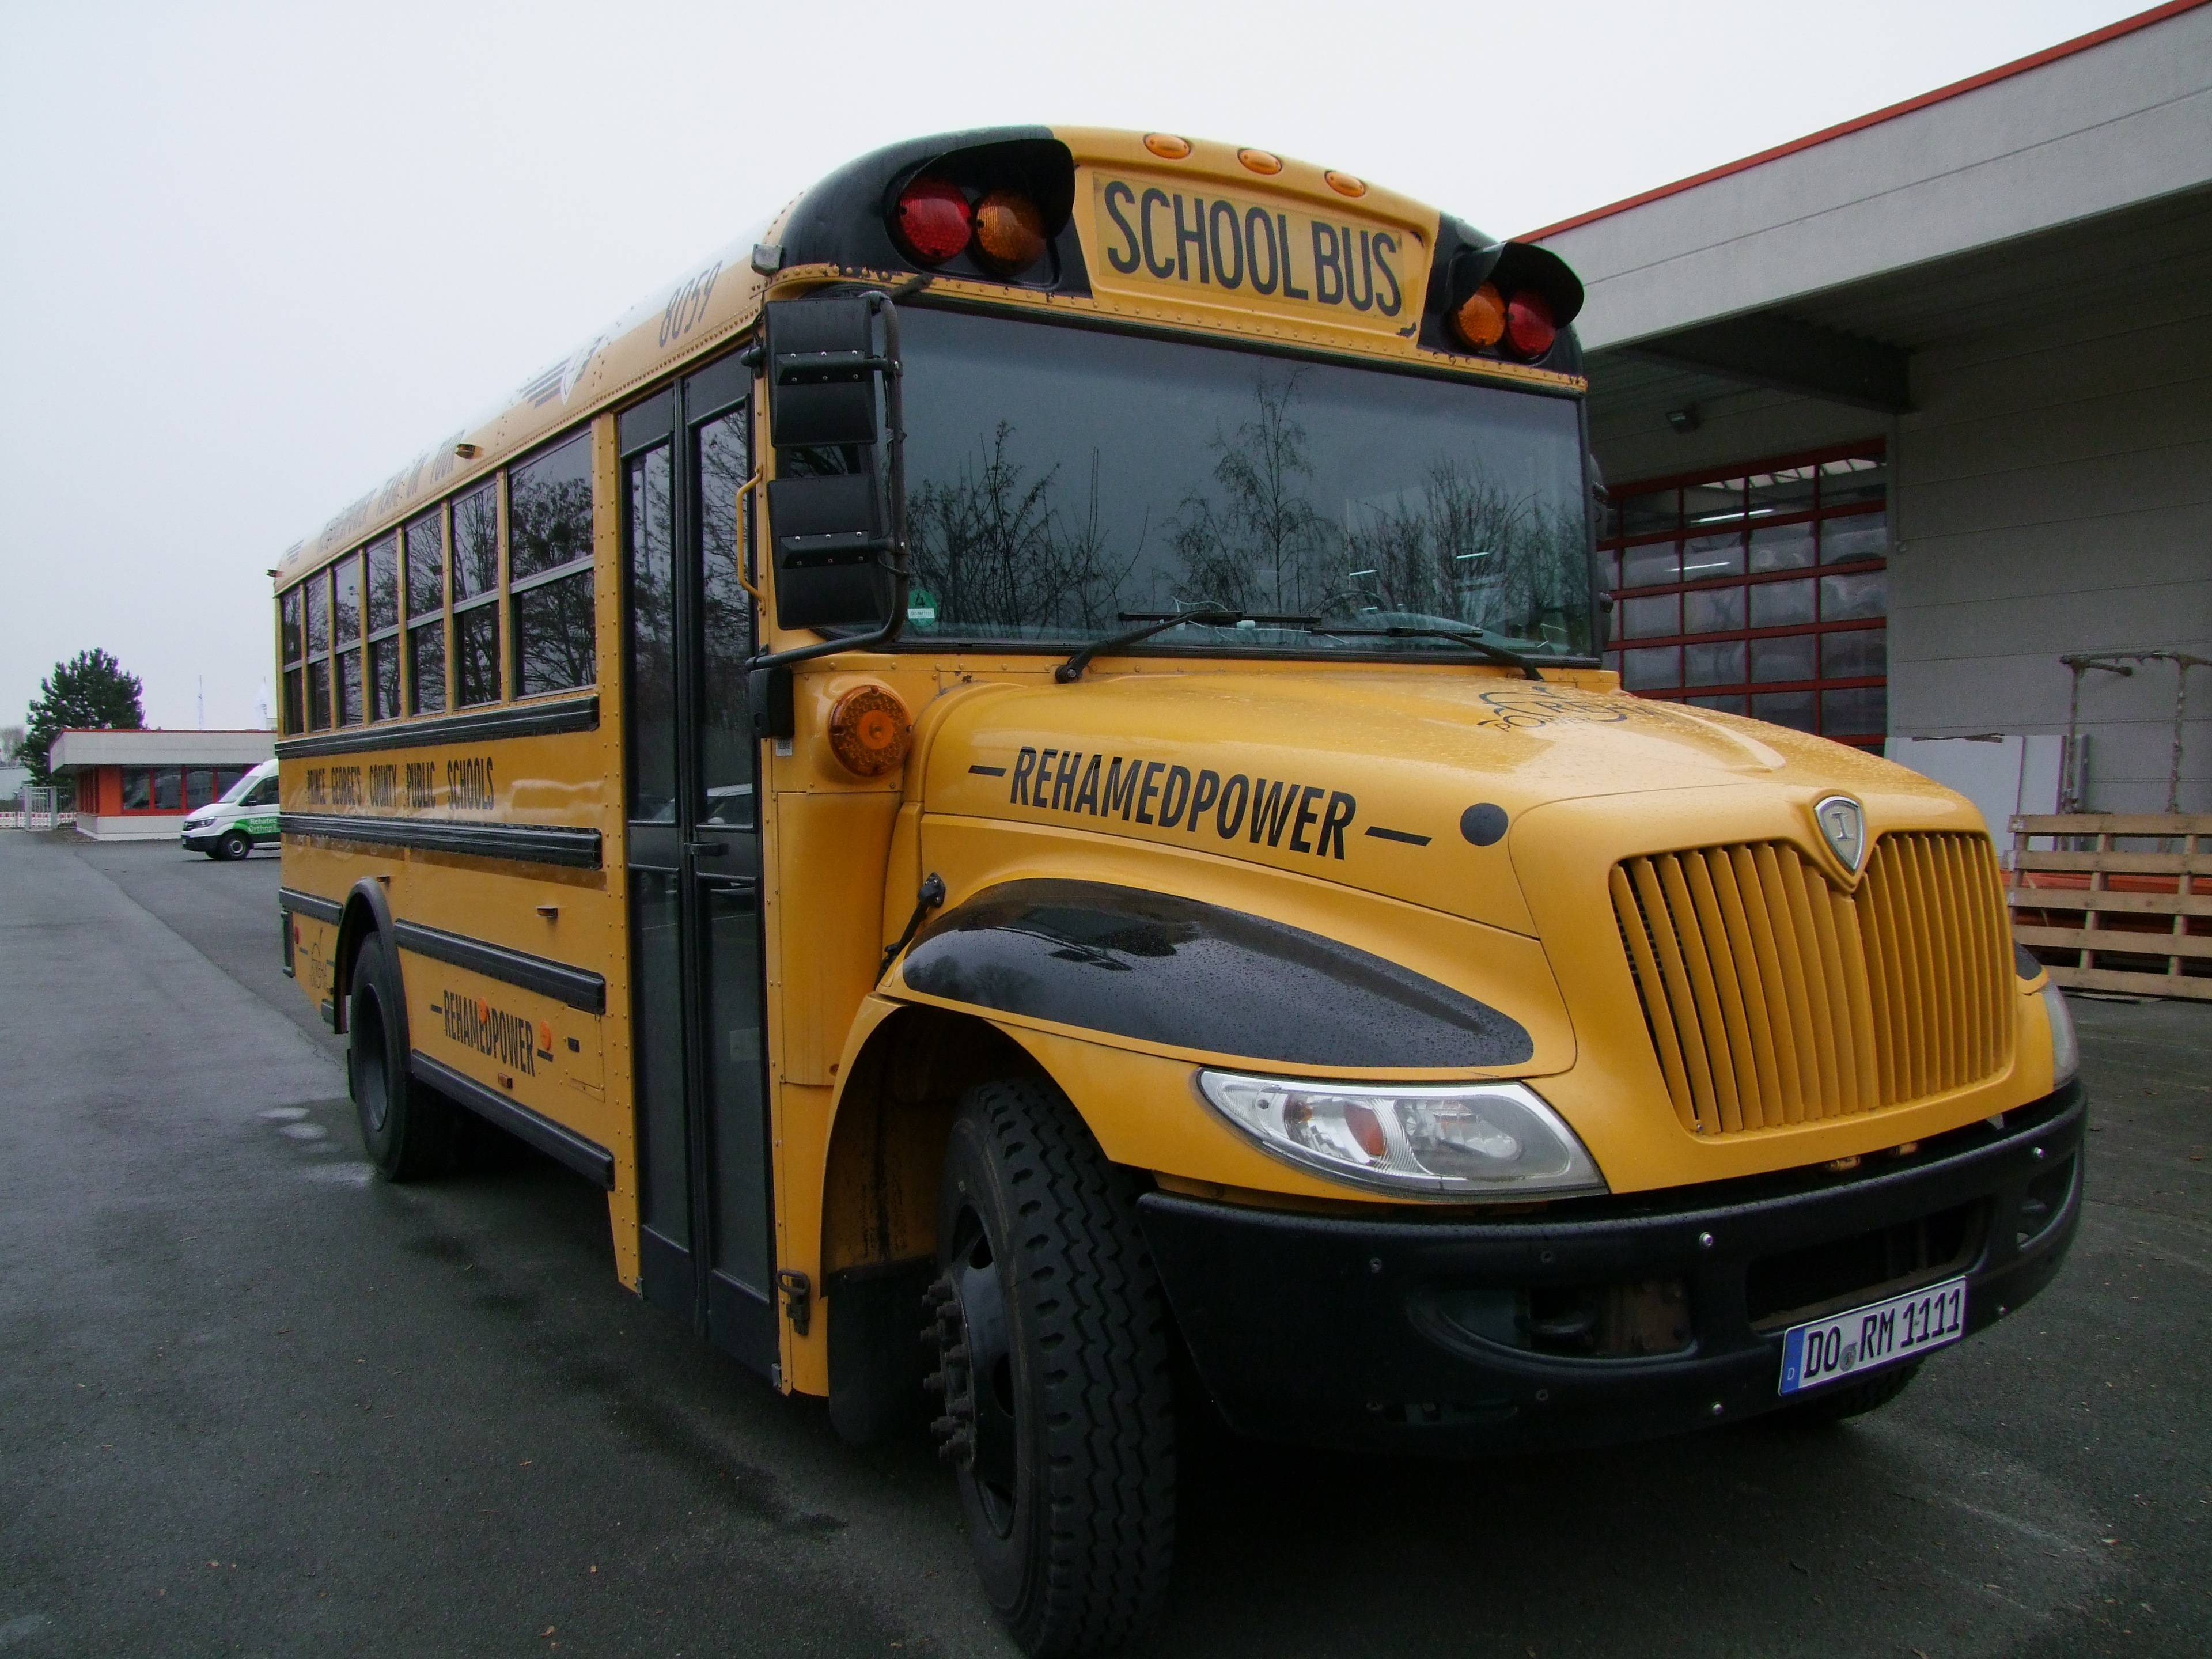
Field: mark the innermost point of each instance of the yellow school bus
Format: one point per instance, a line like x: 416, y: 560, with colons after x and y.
x: 1017, y: 767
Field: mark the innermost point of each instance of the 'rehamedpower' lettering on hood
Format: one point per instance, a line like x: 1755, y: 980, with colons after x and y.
x: 1371, y: 783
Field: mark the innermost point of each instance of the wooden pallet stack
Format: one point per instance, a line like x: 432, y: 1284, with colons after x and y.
x: 2123, y: 911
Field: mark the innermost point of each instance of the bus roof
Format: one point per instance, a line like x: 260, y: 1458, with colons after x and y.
x: 837, y: 229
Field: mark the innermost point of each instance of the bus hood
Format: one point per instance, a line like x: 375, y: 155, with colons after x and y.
x: 1400, y: 782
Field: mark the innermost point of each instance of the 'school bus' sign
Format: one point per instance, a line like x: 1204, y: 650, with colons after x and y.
x: 1218, y: 247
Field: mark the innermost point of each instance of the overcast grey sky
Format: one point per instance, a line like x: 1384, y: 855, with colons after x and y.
x: 253, y: 257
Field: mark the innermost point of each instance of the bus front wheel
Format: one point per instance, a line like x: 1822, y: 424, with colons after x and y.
x: 1054, y: 1346
x: 406, y: 1130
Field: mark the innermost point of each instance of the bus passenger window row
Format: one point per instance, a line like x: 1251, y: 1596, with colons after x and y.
x: 372, y: 635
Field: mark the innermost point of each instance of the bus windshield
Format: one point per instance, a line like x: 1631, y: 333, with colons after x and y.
x: 1063, y: 483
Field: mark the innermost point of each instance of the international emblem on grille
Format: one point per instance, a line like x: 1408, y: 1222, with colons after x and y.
x: 1843, y: 826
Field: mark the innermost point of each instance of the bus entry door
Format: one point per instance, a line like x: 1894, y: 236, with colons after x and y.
x: 705, y: 1205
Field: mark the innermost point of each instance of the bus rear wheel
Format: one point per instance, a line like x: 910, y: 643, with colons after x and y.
x: 406, y: 1130
x: 1053, y: 1350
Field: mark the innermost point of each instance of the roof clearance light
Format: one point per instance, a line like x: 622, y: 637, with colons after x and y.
x: 932, y: 220
x: 1167, y: 146
x: 1529, y: 325
x: 1009, y: 231
x: 1481, y: 320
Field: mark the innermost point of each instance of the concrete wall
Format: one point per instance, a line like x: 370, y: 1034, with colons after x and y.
x: 1632, y: 441
x: 2101, y: 128
x: 2053, y: 494
x: 130, y: 826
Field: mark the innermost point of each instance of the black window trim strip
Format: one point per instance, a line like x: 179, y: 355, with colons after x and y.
x: 531, y: 719
x: 578, y: 987
x: 557, y: 1140
x: 513, y: 843
x: 576, y: 566
x: 291, y: 900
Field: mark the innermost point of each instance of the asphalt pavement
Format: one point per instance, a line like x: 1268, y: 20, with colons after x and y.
x: 252, y: 1401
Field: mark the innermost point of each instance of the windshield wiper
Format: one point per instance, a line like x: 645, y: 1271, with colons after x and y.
x: 1158, y: 622
x: 1496, y: 654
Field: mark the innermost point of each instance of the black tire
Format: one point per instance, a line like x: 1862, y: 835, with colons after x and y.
x: 234, y: 845
x: 406, y: 1130
x: 1055, y: 1348
x: 1851, y: 1400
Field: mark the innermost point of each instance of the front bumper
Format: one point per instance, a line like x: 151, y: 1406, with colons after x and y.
x: 200, y: 840
x: 1401, y: 1335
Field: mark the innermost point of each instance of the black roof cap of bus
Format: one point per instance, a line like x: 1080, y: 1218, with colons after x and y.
x: 844, y: 220
x: 1466, y: 259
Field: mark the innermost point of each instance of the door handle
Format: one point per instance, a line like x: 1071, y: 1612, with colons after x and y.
x: 706, y: 849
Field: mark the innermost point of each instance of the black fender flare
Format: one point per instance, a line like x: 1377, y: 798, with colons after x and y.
x: 368, y: 910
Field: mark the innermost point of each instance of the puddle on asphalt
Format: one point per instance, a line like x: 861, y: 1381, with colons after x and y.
x: 304, y: 1131
x: 339, y: 1175
x: 284, y: 1113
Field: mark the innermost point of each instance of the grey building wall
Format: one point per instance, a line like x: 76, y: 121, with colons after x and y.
x: 2052, y: 494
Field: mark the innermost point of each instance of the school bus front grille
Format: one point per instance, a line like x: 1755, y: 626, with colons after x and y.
x: 1773, y: 1000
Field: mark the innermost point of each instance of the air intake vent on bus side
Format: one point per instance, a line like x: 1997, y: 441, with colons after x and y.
x: 1772, y: 999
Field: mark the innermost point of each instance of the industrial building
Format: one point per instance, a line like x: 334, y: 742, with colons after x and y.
x: 1898, y: 418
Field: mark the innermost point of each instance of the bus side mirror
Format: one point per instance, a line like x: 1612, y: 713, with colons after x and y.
x: 833, y: 508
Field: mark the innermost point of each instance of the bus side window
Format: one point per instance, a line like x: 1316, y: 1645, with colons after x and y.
x: 476, y: 596
x: 549, y: 568
x: 425, y: 589
x: 292, y: 650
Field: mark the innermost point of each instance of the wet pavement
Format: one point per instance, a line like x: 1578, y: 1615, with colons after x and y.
x: 253, y: 1402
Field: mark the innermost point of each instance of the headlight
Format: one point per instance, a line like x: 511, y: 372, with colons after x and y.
x: 1473, y: 1139
x: 2065, y: 1047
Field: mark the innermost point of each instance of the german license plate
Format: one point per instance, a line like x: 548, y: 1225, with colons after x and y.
x: 1823, y: 1351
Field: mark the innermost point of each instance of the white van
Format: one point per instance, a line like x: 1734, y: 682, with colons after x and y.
x: 245, y: 818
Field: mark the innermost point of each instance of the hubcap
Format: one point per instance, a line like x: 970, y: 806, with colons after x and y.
x: 976, y: 1375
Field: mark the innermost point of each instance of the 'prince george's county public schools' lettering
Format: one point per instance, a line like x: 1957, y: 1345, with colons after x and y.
x: 1156, y: 793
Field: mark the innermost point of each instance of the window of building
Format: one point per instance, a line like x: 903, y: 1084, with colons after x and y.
x: 1761, y: 591
x: 549, y: 568
x: 425, y: 538
x: 475, y: 595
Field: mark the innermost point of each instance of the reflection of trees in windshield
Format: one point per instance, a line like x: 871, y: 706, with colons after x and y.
x: 1261, y: 545
x: 1462, y: 548
x: 1458, y: 548
x: 1313, y: 494
x: 994, y: 548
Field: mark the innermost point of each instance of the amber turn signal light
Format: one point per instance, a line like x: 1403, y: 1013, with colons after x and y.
x: 1009, y: 231
x: 1481, y: 320
x: 870, y: 731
